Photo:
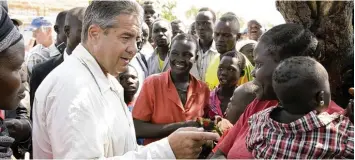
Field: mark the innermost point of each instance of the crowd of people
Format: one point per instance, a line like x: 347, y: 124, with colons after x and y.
x: 120, y: 81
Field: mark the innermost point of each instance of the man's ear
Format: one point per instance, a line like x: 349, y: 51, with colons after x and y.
x: 56, y: 29
x: 94, y: 32
x: 320, y: 98
x: 67, y: 30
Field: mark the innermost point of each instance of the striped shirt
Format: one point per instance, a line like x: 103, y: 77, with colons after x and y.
x: 39, y: 54
x: 203, y: 61
x: 310, y: 137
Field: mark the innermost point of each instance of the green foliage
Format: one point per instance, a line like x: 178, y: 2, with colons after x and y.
x: 192, y: 12
x: 167, y: 10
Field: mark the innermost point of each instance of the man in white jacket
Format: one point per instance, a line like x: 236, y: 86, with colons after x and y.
x: 79, y: 111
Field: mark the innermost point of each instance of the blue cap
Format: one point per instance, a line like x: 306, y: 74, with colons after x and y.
x: 38, y: 23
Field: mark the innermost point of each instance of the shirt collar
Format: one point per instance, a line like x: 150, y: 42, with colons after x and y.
x: 83, y: 55
x: 308, y: 122
x: 65, y: 54
x: 212, y: 47
x: 53, y: 50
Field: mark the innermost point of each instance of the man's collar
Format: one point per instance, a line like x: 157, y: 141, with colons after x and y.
x: 53, y: 50
x: 88, y: 60
x: 211, y: 48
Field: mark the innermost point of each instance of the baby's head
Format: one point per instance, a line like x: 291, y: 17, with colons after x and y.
x: 301, y: 84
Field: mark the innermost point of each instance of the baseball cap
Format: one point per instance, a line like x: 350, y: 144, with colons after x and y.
x: 38, y: 23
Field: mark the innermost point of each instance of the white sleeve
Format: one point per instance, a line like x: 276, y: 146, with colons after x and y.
x: 157, y: 150
x: 75, y: 131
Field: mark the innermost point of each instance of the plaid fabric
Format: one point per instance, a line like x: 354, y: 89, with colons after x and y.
x: 310, y: 137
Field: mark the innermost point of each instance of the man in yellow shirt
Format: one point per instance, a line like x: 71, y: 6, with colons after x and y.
x: 161, y: 34
x: 226, y: 34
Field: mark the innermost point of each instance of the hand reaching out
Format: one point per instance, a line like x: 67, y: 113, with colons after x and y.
x: 187, y: 142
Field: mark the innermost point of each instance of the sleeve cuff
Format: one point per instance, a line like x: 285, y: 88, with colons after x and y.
x: 162, y: 150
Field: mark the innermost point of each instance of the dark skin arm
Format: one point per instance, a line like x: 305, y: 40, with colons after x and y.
x: 219, y: 155
x: 148, y: 130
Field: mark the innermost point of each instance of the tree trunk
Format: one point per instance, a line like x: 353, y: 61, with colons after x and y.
x: 332, y: 23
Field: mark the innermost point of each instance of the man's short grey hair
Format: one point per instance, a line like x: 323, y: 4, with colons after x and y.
x: 103, y: 14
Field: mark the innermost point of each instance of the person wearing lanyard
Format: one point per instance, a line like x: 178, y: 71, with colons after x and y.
x: 85, y: 116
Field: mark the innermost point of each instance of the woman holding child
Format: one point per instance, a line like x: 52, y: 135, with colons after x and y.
x: 277, y: 44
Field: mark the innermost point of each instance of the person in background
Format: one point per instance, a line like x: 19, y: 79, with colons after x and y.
x: 204, y: 24
x: 88, y: 117
x: 61, y: 40
x: 11, y: 82
x: 16, y: 22
x: 192, y: 30
x: 147, y: 49
x: 130, y: 83
x: 229, y: 71
x: 18, y: 122
x: 247, y: 48
x: 139, y: 63
x: 269, y: 52
x: 254, y: 30
x: 151, y: 13
x: 226, y: 34
x: 161, y: 34
x: 308, y: 132
x: 72, y: 30
x: 178, y: 27
x: 172, y: 99
x: 45, y: 48
x: 245, y: 93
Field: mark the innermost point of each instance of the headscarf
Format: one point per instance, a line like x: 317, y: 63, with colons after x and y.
x: 243, y: 43
x: 9, y: 35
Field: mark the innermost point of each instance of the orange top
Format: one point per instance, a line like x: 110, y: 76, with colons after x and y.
x: 159, y: 102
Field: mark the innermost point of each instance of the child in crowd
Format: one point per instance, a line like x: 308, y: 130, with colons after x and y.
x: 130, y: 83
x: 299, y: 127
x: 230, y: 69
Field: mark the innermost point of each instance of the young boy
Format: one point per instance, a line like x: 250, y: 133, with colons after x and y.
x: 230, y: 69
x: 299, y: 127
x: 130, y: 83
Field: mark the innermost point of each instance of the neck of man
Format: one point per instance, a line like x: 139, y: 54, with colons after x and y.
x: 163, y: 50
x: 180, y: 78
x: 128, y: 97
x: 226, y: 91
x: 285, y: 116
x: 221, y: 54
x: 69, y: 50
x: 206, y: 44
x: 88, y: 47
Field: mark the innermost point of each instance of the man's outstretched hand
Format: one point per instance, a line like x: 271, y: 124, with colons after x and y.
x: 187, y: 142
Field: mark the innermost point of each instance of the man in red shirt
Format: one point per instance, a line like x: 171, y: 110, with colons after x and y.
x: 172, y: 99
x: 280, y: 42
